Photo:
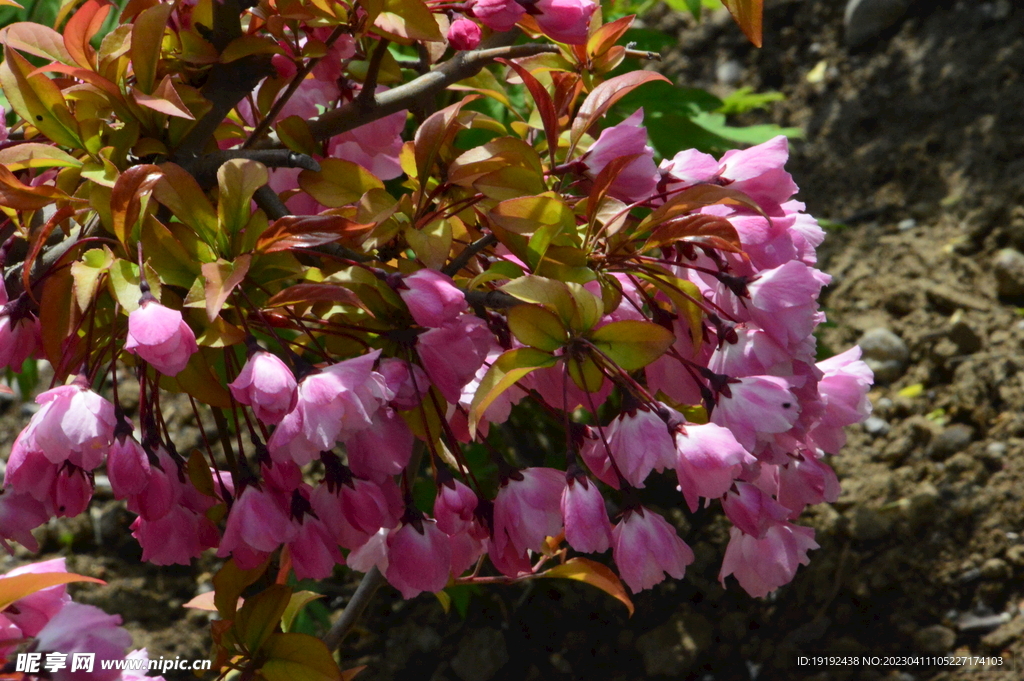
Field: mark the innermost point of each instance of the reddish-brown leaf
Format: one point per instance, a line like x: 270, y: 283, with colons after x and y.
x: 748, y: 14
x: 124, y: 199
x: 700, y: 229
x: 305, y: 231
x: 38, y: 241
x: 19, y: 196
x: 316, y: 293
x: 604, y: 96
x: 81, y: 27
x: 545, y: 106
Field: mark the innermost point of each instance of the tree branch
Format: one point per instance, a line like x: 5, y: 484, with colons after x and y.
x: 371, y: 581
x: 204, y: 168
x: 463, y: 65
x: 496, y: 300
x: 452, y: 268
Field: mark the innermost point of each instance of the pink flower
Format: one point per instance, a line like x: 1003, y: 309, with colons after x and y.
x: 74, y: 423
x: 432, y: 298
x: 645, y: 547
x: 806, y: 480
x: 757, y: 405
x: 19, y: 328
x: 638, y: 180
x: 32, y: 612
x: 464, y: 34
x: 355, y: 511
x: 455, y: 506
x: 528, y: 509
x: 751, y: 509
x: 408, y: 382
x: 844, y: 390
x: 163, y: 490
x: 383, y: 449
x: 176, y: 537
x: 332, y: 404
x: 587, y: 528
x: 257, y: 525
x: 639, y: 443
x: 127, y: 466
x: 20, y: 513
x: 566, y: 21
x: 375, y: 146
x: 81, y: 628
x: 160, y: 336
x: 267, y: 385
x: 499, y: 15
x: 314, y: 552
x: 759, y: 173
x: 28, y: 470
x: 452, y: 354
x: 763, y: 565
x: 784, y: 302
x: 709, y: 460
x: 419, y: 558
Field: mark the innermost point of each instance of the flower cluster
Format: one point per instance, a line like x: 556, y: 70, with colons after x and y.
x: 56, y: 628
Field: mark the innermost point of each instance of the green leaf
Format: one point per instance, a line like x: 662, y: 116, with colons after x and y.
x: 537, y: 327
x: 180, y: 192
x: 298, y: 657
x: 17, y: 587
x: 745, y: 99
x: 124, y: 284
x: 339, y: 182
x: 585, y: 374
x: 36, y: 155
x: 230, y: 582
x: 592, y: 573
x: 632, y: 344
x: 752, y: 134
x: 684, y: 296
x: 260, y: 615
x: 147, y: 41
x: 432, y: 243
x: 298, y: 601
x: 502, y: 375
x: 87, y: 272
x: 237, y: 180
x: 408, y: 20
x: 38, y: 100
x: 578, y: 308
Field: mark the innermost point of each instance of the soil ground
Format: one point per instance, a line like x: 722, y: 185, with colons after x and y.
x: 914, y: 150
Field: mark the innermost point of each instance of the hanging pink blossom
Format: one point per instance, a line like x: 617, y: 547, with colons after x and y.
x: 419, y: 558
x: 73, y: 423
x: 267, y: 385
x: 528, y: 509
x: 646, y: 548
x: 763, y: 565
x: 432, y: 298
x: 639, y: 178
x: 160, y: 336
x: 587, y: 528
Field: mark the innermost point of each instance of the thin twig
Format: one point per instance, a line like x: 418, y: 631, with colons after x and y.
x: 643, y: 54
x: 452, y: 268
x: 371, y: 581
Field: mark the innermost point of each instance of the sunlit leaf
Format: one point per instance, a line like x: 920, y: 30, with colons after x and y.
x: 221, y: 279
x: 17, y: 587
x: 748, y: 14
x: 147, y: 40
x: 507, y: 369
x: 604, y: 97
x: 537, y: 327
x: 339, y: 182
x: 38, y: 100
x: 407, y: 20
x: 298, y: 657
x: 36, y: 155
x: 592, y: 573
x: 80, y: 29
x: 631, y: 343
x: 298, y: 601
x: 306, y: 231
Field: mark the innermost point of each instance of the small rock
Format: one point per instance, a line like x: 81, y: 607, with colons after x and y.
x: 885, y: 353
x: 979, y: 623
x: 729, y: 72
x: 865, y: 19
x: 963, y: 335
x: 935, y: 639
x: 906, y: 225
x: 481, y: 654
x: 876, y: 426
x: 950, y: 441
x: 1015, y: 554
x: 996, y: 569
x: 1009, y: 272
x: 996, y: 450
x: 1006, y: 634
x: 672, y: 648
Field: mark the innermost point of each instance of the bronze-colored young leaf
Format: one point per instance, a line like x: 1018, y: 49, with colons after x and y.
x: 17, y: 587
x: 19, y: 196
x: 38, y: 100
x: 147, y: 39
x: 300, y: 294
x: 221, y: 279
x: 592, y: 573
x: 306, y: 231
x: 604, y: 96
x: 407, y: 20
x: 127, y: 195
x: 748, y: 15
x: 230, y: 582
x: 700, y: 229
x: 36, y: 155
x: 80, y: 29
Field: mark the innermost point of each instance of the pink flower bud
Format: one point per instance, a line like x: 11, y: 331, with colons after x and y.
x: 432, y: 298
x: 567, y: 21
x: 763, y: 565
x: 499, y: 15
x: 752, y: 510
x: 464, y: 35
x: 161, y: 337
x: 127, y: 467
x: 267, y: 385
x: 72, y: 492
x: 806, y: 480
x: 452, y: 354
x: 528, y: 510
x: 454, y: 507
x: 419, y: 558
x: 74, y: 423
x: 587, y: 528
x: 645, y: 547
